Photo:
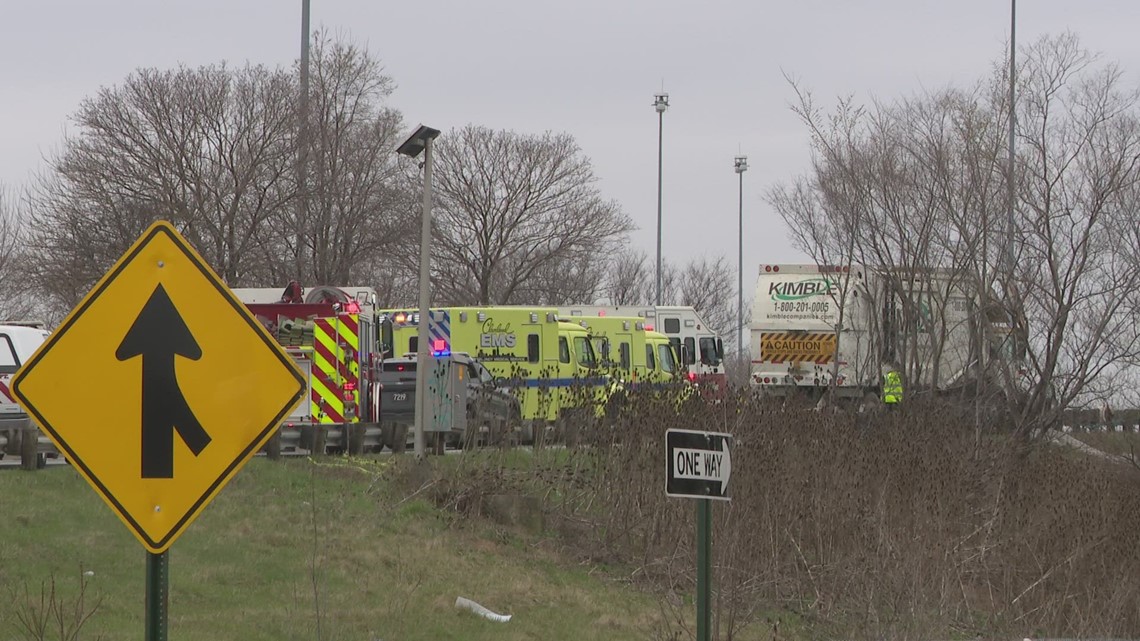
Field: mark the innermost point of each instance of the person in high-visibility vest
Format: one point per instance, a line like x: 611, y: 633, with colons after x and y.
x: 892, y: 386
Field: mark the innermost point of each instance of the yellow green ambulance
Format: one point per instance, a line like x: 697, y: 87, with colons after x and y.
x: 550, y: 364
x: 631, y: 351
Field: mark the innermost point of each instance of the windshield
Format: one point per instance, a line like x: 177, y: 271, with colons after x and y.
x: 483, y: 374
x: 665, y: 357
x: 585, y: 352
x: 9, y: 363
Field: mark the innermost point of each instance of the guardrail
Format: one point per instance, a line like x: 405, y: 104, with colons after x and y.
x: 357, y: 438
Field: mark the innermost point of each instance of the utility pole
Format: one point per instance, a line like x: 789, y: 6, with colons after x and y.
x: 741, y: 166
x: 302, y: 146
x: 660, y: 103
x: 1010, y: 191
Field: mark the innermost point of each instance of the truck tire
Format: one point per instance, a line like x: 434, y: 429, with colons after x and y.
x: 273, y: 446
x: 399, y: 439
x: 13, y: 444
x: 471, y: 434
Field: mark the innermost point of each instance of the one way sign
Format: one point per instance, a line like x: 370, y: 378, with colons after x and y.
x: 698, y: 464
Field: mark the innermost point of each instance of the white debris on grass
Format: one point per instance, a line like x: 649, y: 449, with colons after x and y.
x: 468, y: 604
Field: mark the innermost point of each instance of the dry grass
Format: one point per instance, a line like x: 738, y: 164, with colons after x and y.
x: 908, y: 524
x: 891, y: 525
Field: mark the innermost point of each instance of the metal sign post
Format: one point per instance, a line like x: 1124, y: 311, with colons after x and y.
x: 157, y: 595
x: 698, y: 465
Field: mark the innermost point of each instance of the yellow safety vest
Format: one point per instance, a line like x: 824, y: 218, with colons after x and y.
x: 892, y: 388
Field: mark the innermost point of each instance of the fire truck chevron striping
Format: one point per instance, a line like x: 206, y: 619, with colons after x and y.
x: 336, y: 343
x: 797, y: 347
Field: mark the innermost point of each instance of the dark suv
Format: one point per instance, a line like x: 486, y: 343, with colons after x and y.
x: 488, y: 405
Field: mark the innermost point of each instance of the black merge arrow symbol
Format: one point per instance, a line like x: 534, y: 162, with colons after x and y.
x: 158, y: 334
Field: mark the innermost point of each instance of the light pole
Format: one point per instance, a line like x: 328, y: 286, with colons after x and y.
x: 660, y: 103
x: 303, y: 143
x: 1010, y: 193
x: 741, y: 165
x: 421, y: 140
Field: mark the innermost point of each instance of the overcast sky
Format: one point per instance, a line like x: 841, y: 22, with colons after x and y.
x: 588, y: 67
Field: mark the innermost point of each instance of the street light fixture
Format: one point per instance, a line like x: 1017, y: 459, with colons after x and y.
x: 660, y: 103
x: 741, y: 165
x: 421, y: 140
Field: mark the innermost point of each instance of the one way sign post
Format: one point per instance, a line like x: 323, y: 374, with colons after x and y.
x: 698, y: 465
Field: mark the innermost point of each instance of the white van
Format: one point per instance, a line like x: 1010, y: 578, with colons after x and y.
x: 17, y: 344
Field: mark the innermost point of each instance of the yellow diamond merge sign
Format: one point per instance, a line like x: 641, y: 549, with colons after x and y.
x: 159, y: 386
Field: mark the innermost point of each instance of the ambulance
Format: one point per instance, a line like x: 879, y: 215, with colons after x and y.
x: 700, y: 349
x: 632, y: 353
x: 549, y: 364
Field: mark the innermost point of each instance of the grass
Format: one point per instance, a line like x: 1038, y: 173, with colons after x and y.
x: 836, y: 531
x: 383, y: 567
x: 1119, y: 443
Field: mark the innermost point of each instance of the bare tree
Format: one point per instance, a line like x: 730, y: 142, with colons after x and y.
x: 206, y: 148
x: 354, y: 200
x: 17, y: 300
x: 509, y: 206
x: 708, y: 285
x: 213, y: 149
x: 917, y: 187
x: 565, y: 282
x: 629, y: 279
x: 1080, y: 135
